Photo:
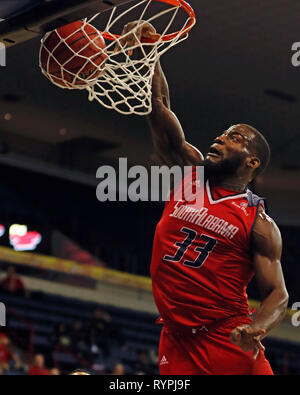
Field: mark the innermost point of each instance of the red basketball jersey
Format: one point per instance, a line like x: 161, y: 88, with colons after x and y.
x: 201, y: 260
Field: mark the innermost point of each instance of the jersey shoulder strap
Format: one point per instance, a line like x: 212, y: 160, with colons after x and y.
x: 255, y: 200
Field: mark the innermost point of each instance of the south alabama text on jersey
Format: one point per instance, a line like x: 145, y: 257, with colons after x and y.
x: 202, y: 218
x: 201, y: 258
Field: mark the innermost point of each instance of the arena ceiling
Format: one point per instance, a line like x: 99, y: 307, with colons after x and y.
x: 235, y: 67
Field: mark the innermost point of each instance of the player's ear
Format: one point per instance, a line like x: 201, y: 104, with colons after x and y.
x: 253, y: 162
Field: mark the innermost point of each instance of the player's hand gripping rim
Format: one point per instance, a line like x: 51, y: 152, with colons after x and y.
x: 144, y: 31
x: 247, y: 339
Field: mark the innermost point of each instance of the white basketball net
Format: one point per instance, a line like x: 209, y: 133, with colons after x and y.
x: 125, y: 82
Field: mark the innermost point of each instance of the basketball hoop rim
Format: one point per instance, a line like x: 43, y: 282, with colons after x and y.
x: 168, y: 37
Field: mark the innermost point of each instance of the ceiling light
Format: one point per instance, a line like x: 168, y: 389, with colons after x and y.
x: 7, y: 116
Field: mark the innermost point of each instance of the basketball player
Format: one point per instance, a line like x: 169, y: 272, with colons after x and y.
x: 203, y: 259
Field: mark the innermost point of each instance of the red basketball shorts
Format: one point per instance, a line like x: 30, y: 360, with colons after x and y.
x: 208, y: 351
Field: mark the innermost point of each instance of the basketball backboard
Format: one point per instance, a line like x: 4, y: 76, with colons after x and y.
x: 21, y: 20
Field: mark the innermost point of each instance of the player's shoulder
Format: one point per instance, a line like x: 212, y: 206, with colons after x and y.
x: 264, y: 227
x: 265, y: 231
x: 264, y: 220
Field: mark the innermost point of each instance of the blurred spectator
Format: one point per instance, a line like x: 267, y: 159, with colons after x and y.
x: 38, y: 367
x: 78, y: 337
x: 99, y: 365
x: 55, y: 372
x: 8, y: 359
x: 103, y: 333
x: 118, y: 369
x: 13, y: 283
x: 153, y: 355
x: 99, y: 331
x: 61, y: 336
x: 101, y: 316
x: 143, y: 364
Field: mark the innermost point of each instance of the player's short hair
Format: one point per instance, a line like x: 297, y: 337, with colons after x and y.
x: 260, y: 148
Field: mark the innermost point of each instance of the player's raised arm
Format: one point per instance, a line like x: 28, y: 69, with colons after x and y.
x: 169, y: 142
x: 267, y: 246
x: 168, y: 137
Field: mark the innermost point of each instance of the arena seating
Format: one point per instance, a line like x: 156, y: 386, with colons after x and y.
x: 33, y: 321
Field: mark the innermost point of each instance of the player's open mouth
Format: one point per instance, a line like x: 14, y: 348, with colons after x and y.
x: 213, y: 152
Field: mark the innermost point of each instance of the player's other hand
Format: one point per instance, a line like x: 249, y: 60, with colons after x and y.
x: 248, y: 339
x: 140, y: 30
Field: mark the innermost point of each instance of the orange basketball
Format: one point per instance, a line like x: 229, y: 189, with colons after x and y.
x: 73, y: 55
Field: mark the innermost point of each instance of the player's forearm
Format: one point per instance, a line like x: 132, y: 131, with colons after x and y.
x: 160, y: 89
x: 168, y: 137
x: 271, y: 311
x: 167, y: 133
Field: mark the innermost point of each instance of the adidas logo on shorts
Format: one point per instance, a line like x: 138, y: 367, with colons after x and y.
x: 164, y: 361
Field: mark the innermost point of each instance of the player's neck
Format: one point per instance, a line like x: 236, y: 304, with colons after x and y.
x: 231, y: 184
